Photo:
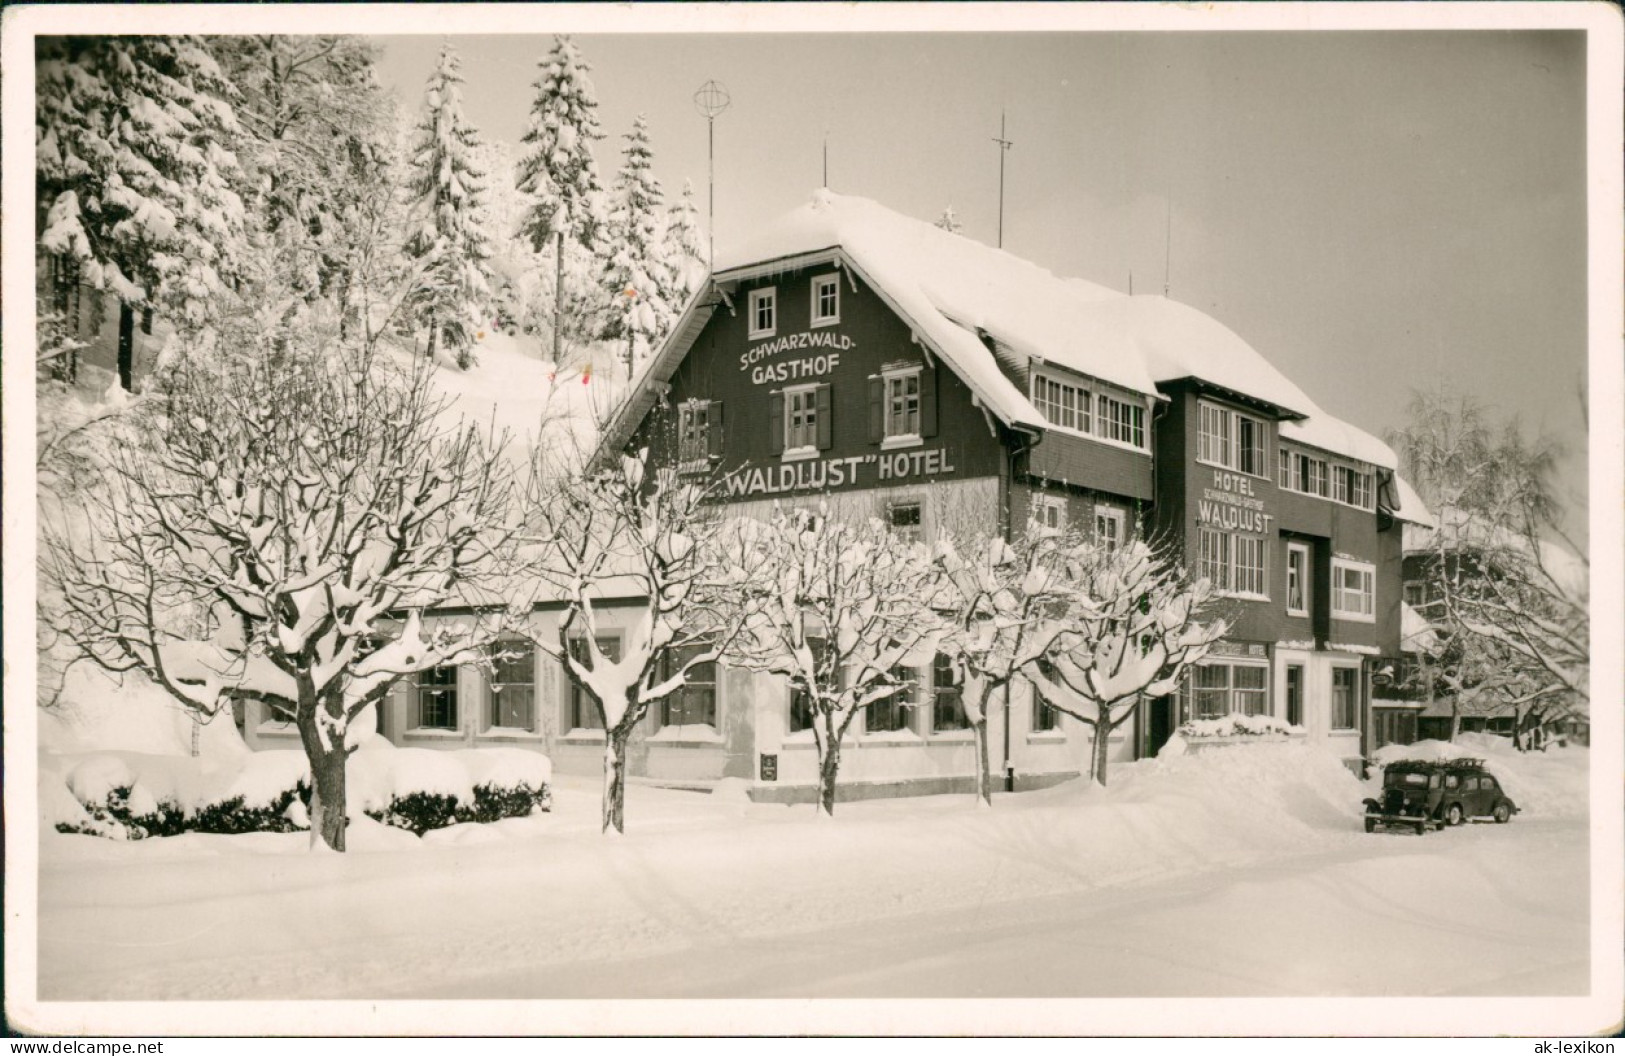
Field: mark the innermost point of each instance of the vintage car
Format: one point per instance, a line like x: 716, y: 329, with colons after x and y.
x: 1424, y: 795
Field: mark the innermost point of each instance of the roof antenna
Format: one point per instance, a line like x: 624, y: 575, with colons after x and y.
x: 1131, y: 282
x: 826, y: 159
x: 1168, y: 247
x: 1004, y: 148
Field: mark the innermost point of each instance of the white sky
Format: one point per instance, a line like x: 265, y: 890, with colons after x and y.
x: 1372, y: 211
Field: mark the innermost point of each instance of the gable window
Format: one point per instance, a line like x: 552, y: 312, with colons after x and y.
x: 1062, y: 404
x: 694, y: 433
x: 583, y: 713
x: 1233, y: 563
x: 947, y: 697
x: 902, y: 404
x: 1120, y: 420
x: 892, y: 713
x: 512, y: 685
x: 904, y: 519
x: 1230, y: 439
x: 695, y: 704
x: 1354, y: 590
x: 1111, y: 526
x: 1297, y: 579
x: 437, y: 698
x: 1048, y: 513
x: 763, y: 312
x: 801, y: 419
x: 826, y: 300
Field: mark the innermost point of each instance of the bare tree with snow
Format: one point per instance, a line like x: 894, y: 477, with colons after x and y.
x: 998, y: 598
x: 1132, y: 624
x: 318, y: 498
x: 842, y: 611
x: 631, y: 532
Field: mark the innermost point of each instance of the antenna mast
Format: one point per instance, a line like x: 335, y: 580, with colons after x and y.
x: 711, y: 100
x: 1168, y: 248
x: 1004, y: 148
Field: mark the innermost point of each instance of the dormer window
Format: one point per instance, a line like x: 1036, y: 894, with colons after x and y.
x: 763, y: 312
x: 1086, y: 407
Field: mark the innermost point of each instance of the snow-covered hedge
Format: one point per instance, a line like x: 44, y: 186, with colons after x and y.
x: 126, y: 795
x: 1236, y: 725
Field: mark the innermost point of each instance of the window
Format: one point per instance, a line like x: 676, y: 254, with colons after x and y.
x: 1234, y: 563
x: 696, y: 703
x: 583, y: 712
x: 1303, y: 473
x: 1297, y: 579
x: 902, y: 404
x: 1416, y: 593
x: 1351, y: 487
x: 513, y: 685
x: 1048, y: 513
x: 1294, y: 694
x: 1230, y: 439
x: 947, y: 696
x: 764, y: 313
x: 437, y: 698
x: 826, y: 300
x: 1045, y: 718
x: 904, y: 518
x: 1345, y: 698
x: 1110, y: 527
x: 891, y: 713
x: 1354, y: 591
x: 801, y: 419
x: 803, y: 705
x: 1215, y: 690
x: 1062, y: 404
x: 1121, y: 421
x: 694, y: 432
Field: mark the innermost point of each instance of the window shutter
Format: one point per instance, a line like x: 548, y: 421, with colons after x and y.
x: 825, y: 433
x: 775, y: 423
x: 877, y: 410
x: 928, y: 401
x: 714, y: 428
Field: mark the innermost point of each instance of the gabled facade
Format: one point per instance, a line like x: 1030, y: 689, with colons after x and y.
x: 886, y: 368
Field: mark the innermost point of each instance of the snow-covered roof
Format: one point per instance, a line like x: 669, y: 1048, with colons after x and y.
x: 1416, y: 634
x: 1411, y: 507
x: 953, y: 291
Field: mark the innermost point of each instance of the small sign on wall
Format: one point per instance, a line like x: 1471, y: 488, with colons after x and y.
x: 770, y: 767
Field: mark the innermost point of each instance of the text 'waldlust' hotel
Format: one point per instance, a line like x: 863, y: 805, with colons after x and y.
x: 884, y: 366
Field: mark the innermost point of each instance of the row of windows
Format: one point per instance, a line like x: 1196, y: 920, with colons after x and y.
x: 1238, y: 564
x: 763, y: 313
x: 1309, y: 475
x: 1215, y: 689
x: 1072, y: 405
x: 897, y: 712
x: 1048, y: 514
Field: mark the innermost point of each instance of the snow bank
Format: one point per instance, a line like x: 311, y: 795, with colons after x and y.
x: 506, y: 767
x: 98, y: 711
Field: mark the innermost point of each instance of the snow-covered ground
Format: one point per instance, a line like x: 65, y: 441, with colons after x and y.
x: 1234, y: 872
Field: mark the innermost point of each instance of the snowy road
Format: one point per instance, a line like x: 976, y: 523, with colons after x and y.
x: 1482, y: 911
x: 1243, y: 873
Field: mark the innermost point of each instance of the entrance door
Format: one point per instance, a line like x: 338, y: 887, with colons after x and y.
x: 1160, y: 724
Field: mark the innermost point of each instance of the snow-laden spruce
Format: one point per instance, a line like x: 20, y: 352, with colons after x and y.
x: 636, y: 539
x: 840, y: 609
x: 636, y: 274
x: 1130, y: 626
x: 686, y: 256
x: 310, y: 503
x: 135, y: 167
x: 448, y: 240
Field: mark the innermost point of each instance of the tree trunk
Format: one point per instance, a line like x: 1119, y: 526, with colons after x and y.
x: 829, y: 762
x: 615, y: 777
x: 1455, y: 721
x: 558, y: 299
x: 434, y: 336
x: 984, y: 778
x: 1100, y: 749
x: 327, y: 795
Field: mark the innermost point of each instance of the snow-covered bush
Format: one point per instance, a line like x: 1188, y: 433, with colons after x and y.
x: 1238, y: 726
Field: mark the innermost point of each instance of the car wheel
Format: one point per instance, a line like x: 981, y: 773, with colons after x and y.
x: 1454, y: 816
x: 1371, y: 824
x: 1502, y: 814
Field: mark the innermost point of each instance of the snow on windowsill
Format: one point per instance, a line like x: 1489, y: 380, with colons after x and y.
x: 1047, y: 737
x: 799, y: 454
x: 428, y: 734
x: 887, y: 738
x: 510, y: 733
x: 1242, y: 595
x: 582, y: 737
x: 893, y: 443
x: 952, y: 737
x: 694, y: 734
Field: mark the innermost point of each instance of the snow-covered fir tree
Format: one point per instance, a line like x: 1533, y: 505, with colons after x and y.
x: 635, y: 271
x: 135, y: 167
x: 949, y: 221
x: 685, y: 252
x: 448, y: 241
x: 318, y: 150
